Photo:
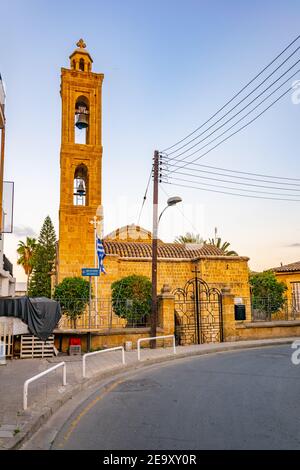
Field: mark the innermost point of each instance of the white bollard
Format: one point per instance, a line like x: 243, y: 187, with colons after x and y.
x: 118, y: 348
x: 35, y: 377
x: 154, y: 337
x: 2, y: 354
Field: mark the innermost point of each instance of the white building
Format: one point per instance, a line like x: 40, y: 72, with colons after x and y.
x: 20, y: 289
x: 7, y: 281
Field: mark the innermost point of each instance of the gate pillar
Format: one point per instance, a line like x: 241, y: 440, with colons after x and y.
x: 166, y: 307
x: 229, y: 331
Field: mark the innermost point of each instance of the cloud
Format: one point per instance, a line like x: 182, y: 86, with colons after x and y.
x: 23, y: 231
x: 293, y: 245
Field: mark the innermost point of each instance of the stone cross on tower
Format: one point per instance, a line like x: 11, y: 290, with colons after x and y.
x: 81, y: 44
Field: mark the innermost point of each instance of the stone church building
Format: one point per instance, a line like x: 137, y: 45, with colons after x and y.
x: 128, y: 249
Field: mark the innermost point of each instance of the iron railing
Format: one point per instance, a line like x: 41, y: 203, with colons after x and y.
x: 270, y: 309
x: 103, y: 314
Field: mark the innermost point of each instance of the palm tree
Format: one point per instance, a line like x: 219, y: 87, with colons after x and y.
x: 26, y: 251
x: 223, y: 246
x: 189, y: 237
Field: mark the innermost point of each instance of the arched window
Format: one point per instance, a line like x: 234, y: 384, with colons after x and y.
x: 81, y: 65
x: 74, y: 64
x: 80, y: 193
x: 82, y: 120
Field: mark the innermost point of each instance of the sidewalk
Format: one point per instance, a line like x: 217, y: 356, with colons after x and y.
x: 47, y: 394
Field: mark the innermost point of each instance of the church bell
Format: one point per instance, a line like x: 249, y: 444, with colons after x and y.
x: 82, y: 121
x: 80, y: 190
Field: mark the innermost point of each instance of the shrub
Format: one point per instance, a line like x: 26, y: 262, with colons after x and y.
x: 267, y: 292
x: 73, y: 296
x: 131, y: 298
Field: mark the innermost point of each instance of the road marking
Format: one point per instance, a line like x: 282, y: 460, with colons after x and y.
x: 76, y: 421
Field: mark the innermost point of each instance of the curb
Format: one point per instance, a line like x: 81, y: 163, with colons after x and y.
x: 41, y: 417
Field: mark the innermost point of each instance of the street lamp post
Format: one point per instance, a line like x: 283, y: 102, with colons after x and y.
x: 171, y: 202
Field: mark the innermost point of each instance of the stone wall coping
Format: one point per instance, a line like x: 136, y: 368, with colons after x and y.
x: 226, y: 258
x: 227, y: 294
x: 268, y: 324
x: 178, y: 260
x: 149, y: 259
x: 166, y: 295
x: 106, y: 332
x: 226, y: 290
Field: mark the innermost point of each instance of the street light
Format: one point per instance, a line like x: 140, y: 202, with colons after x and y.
x: 172, y: 201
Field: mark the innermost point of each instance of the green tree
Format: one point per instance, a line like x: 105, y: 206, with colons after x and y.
x: 189, y: 237
x: 267, y: 292
x: 131, y: 298
x: 43, y: 261
x: 73, y: 296
x: 26, y: 252
x: 224, y: 246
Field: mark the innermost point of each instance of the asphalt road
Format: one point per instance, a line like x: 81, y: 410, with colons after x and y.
x: 241, y: 400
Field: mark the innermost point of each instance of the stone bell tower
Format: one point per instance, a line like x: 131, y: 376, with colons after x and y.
x: 80, y: 162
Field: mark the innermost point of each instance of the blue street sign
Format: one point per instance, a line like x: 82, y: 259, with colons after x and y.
x: 90, y: 271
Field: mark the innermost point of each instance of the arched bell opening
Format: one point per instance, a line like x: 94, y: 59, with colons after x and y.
x: 81, y: 65
x: 82, y: 120
x: 80, y: 193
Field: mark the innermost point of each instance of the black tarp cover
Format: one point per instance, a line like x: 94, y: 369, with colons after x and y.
x: 39, y: 313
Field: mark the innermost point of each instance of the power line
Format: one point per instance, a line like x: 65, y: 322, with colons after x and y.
x: 232, y: 194
x: 234, y: 97
x: 145, y: 196
x: 235, y: 189
x: 234, y: 133
x: 230, y: 176
x: 236, y: 114
x: 232, y: 171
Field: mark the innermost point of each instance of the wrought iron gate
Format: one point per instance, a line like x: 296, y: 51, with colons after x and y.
x: 198, y: 313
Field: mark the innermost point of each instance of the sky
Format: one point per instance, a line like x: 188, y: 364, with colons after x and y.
x: 168, y: 66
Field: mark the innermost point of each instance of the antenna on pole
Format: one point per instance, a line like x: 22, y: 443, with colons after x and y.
x: 216, y: 231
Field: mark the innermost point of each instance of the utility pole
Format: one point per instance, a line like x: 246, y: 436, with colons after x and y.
x: 197, y: 305
x: 154, y: 249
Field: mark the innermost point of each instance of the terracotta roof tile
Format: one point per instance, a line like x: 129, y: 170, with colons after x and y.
x: 165, y: 250
x: 288, y: 267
